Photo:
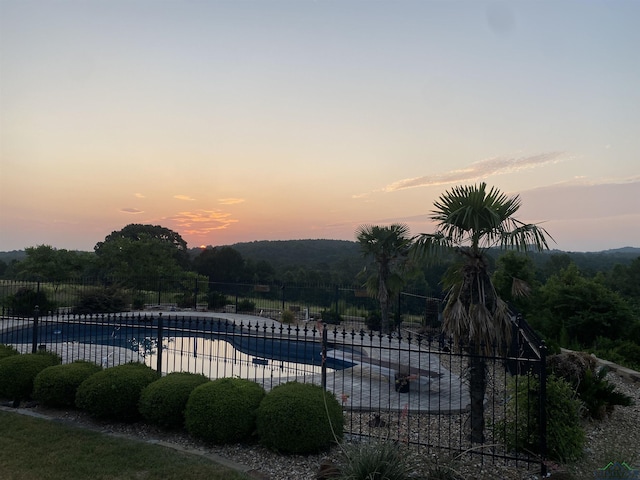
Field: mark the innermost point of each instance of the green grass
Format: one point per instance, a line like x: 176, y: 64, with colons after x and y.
x: 33, y: 448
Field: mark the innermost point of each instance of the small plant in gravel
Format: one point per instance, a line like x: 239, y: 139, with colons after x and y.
x: 299, y: 418
x: 596, y: 393
x: 164, y: 401
x: 56, y: 386
x: 224, y: 410
x: 17, y: 373
x: 114, y: 393
x: 376, y: 460
x: 598, y: 396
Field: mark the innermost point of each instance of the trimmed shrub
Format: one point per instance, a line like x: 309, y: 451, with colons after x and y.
x: 299, y: 418
x: 520, y: 429
x: 56, y: 386
x: 7, y: 351
x: 17, y: 373
x: 224, y: 410
x: 114, y: 393
x: 164, y: 401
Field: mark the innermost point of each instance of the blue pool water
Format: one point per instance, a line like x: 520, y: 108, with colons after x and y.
x: 184, y: 341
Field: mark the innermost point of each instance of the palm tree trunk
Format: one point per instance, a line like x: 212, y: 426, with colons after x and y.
x: 385, y: 328
x: 477, y: 389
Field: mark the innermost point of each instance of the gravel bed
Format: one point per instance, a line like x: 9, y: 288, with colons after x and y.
x: 616, y: 438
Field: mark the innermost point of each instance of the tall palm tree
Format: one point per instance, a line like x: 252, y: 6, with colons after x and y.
x: 469, y: 221
x: 389, y: 247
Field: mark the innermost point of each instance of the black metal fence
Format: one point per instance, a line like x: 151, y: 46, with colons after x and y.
x: 411, y: 386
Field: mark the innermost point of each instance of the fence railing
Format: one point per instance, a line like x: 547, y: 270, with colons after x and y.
x: 411, y: 386
x: 305, y: 302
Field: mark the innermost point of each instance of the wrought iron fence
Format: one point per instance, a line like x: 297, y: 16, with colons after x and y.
x: 411, y: 386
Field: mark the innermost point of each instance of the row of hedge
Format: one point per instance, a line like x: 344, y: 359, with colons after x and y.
x: 292, y: 418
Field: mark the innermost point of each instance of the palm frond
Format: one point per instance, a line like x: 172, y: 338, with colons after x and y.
x: 430, y: 247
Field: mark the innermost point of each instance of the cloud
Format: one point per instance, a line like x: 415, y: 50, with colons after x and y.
x: 230, y: 201
x: 184, y: 197
x: 202, y: 222
x: 583, y: 198
x: 478, y: 170
x: 132, y: 211
x: 138, y: 195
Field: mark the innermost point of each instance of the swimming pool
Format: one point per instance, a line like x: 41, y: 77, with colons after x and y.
x: 214, y: 347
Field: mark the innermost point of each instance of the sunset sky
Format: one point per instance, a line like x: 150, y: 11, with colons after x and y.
x: 234, y: 121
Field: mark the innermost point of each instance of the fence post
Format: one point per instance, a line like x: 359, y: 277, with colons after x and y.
x: 195, y: 296
x: 324, y: 356
x: 160, y: 343
x: 543, y: 410
x: 282, y: 288
x: 34, y: 336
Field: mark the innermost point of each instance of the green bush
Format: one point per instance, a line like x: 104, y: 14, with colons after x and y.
x: 373, y: 321
x: 224, y: 410
x: 216, y: 300
x: 598, y: 396
x: 163, y: 402
x: 299, y: 418
x: 630, y: 352
x: 288, y: 317
x: 520, y: 429
x: 17, y: 373
x: 375, y: 460
x: 7, y: 351
x: 101, y: 300
x: 114, y: 393
x: 331, y: 317
x: 246, y: 306
x: 24, y: 301
x: 56, y: 386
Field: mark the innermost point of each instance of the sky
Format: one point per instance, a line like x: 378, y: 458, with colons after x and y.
x: 237, y: 121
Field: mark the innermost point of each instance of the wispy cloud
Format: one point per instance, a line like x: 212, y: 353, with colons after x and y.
x: 131, y: 211
x: 478, y: 170
x: 230, y: 201
x: 138, y: 195
x: 202, y: 222
x: 184, y: 197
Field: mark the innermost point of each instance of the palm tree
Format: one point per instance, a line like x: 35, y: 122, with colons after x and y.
x: 389, y: 247
x: 469, y: 221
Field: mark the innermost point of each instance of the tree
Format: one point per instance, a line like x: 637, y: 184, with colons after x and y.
x: 389, y: 247
x: 471, y: 220
x: 220, y: 264
x: 138, y: 232
x: 575, y: 310
x: 54, y: 265
x: 141, y: 254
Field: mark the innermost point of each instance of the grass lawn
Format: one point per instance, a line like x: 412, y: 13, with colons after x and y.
x: 32, y: 448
